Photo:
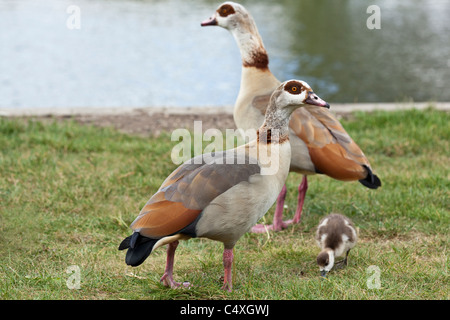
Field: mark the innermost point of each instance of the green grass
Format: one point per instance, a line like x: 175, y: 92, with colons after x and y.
x: 69, y: 192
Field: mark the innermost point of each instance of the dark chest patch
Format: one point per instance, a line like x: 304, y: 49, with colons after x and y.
x: 267, y: 137
x: 258, y: 59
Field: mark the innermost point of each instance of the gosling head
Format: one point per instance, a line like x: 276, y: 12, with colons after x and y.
x: 325, y: 260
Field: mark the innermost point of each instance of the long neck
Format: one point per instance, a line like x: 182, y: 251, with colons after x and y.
x: 276, y: 125
x: 251, y: 46
x: 256, y: 79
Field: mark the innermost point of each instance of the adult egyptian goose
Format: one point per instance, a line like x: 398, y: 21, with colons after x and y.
x: 336, y: 235
x: 319, y: 142
x: 221, y: 195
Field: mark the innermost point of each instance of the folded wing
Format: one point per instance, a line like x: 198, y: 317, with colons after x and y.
x: 332, y: 151
x: 189, y: 190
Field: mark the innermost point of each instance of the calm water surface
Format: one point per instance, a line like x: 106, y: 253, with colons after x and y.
x: 154, y: 53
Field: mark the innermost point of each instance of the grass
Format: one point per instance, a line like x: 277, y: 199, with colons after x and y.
x: 69, y: 192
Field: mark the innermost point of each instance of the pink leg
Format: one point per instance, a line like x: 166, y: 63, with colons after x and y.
x: 278, y: 223
x: 227, y: 263
x: 167, y: 278
x: 302, y: 188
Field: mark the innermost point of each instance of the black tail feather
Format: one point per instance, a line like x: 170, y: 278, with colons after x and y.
x: 139, y: 248
x: 125, y: 244
x: 371, y: 181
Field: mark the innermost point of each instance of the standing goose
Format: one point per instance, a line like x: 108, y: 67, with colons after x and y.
x: 319, y: 142
x: 218, y: 195
x: 336, y: 235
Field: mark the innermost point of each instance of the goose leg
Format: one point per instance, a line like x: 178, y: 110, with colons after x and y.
x: 302, y: 188
x: 278, y: 223
x: 346, y: 258
x: 343, y: 263
x: 167, y: 278
x: 227, y: 263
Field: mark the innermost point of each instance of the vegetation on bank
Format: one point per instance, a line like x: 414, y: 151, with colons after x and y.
x: 69, y: 192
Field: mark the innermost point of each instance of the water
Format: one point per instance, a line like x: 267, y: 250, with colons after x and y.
x: 131, y: 53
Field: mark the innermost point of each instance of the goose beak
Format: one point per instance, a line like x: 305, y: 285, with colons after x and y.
x: 209, y: 22
x: 314, y: 100
x: 323, y: 273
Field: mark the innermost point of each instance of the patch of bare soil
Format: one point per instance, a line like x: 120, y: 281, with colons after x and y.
x: 149, y: 124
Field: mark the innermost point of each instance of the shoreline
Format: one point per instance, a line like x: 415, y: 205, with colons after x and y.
x: 156, y: 120
x: 338, y: 108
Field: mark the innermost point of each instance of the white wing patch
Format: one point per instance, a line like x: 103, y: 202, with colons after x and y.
x: 324, y: 223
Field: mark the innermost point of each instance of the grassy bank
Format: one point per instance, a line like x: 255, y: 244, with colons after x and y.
x: 69, y: 192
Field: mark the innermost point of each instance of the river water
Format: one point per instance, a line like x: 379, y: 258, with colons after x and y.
x: 130, y: 53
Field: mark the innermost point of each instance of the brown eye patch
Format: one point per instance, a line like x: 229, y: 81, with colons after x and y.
x: 294, y: 87
x: 226, y: 10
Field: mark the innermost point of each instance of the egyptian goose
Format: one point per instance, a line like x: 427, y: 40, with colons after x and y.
x: 319, y: 142
x: 336, y: 235
x: 214, y: 196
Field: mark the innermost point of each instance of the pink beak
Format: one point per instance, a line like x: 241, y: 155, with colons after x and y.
x: 209, y: 22
x: 314, y: 99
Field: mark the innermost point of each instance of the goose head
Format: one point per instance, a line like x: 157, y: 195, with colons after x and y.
x: 236, y: 19
x: 228, y: 15
x: 290, y: 95
x: 297, y: 92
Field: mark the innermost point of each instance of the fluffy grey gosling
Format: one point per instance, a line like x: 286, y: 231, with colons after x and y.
x: 336, y: 235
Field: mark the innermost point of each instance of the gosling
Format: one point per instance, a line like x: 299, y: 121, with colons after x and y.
x: 336, y: 235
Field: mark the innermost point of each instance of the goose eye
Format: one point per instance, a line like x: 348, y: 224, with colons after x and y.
x: 293, y: 87
x: 226, y: 10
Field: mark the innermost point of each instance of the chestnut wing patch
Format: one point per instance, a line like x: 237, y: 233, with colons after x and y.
x: 332, y: 150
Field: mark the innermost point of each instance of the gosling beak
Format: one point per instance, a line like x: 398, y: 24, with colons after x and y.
x: 209, y: 22
x: 314, y: 100
x: 323, y: 273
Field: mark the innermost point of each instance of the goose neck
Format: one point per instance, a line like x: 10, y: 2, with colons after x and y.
x: 251, y: 47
